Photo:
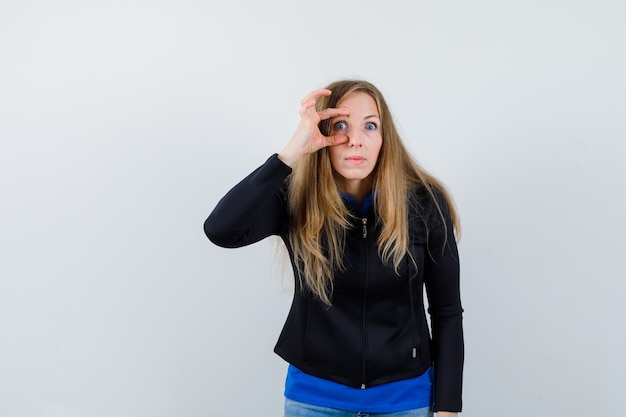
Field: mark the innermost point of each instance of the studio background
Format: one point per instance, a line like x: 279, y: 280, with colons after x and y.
x: 123, y: 123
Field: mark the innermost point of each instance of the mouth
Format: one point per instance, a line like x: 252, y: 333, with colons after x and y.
x: 356, y: 159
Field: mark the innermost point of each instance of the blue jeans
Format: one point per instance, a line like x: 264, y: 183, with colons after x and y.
x: 298, y: 409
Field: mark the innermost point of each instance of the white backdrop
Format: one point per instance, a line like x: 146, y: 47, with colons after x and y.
x: 122, y: 123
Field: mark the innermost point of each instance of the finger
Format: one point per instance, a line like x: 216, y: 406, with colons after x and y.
x: 307, y: 104
x: 335, y: 140
x: 331, y: 112
x: 315, y: 94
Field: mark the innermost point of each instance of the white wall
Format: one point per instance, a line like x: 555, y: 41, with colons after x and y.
x: 123, y: 122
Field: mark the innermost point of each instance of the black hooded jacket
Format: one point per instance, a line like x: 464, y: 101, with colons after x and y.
x: 376, y: 330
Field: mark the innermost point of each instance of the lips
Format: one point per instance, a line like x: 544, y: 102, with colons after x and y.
x: 356, y: 159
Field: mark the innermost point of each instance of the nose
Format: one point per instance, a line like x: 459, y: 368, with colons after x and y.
x: 354, y: 138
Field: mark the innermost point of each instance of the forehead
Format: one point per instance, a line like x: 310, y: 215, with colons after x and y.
x: 357, y: 102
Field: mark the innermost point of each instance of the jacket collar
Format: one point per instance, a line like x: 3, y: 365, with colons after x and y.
x: 366, y: 207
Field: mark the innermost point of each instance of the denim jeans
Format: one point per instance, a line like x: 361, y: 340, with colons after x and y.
x: 298, y: 409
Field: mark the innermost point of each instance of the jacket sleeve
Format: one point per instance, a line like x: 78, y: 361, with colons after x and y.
x: 252, y: 210
x: 444, y: 300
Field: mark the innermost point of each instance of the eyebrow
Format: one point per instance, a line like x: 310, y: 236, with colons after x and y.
x: 366, y: 117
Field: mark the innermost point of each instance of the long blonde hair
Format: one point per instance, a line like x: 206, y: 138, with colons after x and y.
x: 319, y: 217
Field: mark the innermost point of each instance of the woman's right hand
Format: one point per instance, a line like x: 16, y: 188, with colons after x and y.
x: 307, y: 137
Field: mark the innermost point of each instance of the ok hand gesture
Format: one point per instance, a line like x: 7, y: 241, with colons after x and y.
x: 307, y: 137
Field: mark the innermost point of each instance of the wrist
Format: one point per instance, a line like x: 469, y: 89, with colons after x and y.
x: 288, y: 157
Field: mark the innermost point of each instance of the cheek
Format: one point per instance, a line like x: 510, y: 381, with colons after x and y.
x: 377, y: 146
x: 333, y: 152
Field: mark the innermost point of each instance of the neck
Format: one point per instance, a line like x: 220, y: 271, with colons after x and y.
x: 357, y: 189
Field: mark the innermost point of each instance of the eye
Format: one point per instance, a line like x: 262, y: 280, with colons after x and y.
x: 340, y: 125
x: 371, y: 126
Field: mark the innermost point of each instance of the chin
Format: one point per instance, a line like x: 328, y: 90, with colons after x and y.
x: 355, y: 176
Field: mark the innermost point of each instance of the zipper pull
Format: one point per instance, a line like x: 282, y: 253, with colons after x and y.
x: 362, y: 386
x: 364, y: 220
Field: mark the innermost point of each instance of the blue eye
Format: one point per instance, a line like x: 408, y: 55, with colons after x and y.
x: 371, y: 126
x: 340, y: 126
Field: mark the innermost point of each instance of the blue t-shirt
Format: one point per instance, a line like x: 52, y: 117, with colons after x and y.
x: 406, y: 394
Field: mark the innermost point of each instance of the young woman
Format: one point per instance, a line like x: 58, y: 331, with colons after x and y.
x: 366, y: 228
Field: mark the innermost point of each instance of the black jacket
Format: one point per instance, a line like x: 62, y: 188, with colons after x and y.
x: 376, y: 329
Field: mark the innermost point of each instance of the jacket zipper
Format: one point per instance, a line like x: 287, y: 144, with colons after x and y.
x: 364, y: 222
x: 416, y: 338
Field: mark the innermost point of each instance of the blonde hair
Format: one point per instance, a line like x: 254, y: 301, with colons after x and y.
x: 319, y: 217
